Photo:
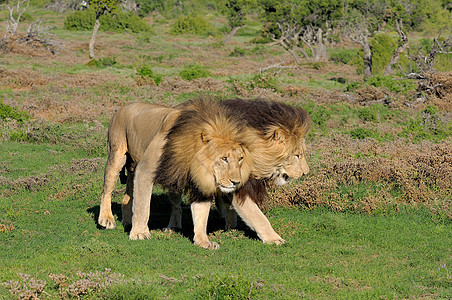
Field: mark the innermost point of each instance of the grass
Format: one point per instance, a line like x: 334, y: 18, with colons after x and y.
x: 345, y: 255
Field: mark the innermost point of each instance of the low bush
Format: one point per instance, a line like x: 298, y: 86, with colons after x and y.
x: 9, y: 112
x: 84, y: 20
x: 264, y: 81
x: 393, y: 84
x: 343, y: 56
x: 238, y: 51
x: 194, y: 71
x: 428, y: 125
x: 145, y: 71
x: 102, y: 62
x: 190, y: 25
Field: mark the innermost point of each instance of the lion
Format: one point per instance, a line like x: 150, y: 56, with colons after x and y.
x: 196, y: 148
x: 278, y: 156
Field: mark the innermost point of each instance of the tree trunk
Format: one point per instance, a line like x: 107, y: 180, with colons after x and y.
x: 320, y: 53
x: 93, y: 39
x: 232, y: 33
x: 367, y: 57
x: 399, y: 50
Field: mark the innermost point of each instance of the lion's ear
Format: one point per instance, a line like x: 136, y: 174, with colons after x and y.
x: 205, y: 138
x: 280, y: 135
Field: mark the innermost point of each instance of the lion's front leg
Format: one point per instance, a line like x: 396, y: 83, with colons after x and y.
x: 256, y: 220
x: 200, y: 213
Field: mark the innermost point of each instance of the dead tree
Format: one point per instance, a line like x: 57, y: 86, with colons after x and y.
x: 358, y: 33
x: 402, y: 46
x: 294, y: 38
x: 13, y: 22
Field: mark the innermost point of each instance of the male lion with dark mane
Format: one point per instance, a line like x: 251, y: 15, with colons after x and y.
x: 278, y: 156
x: 196, y: 148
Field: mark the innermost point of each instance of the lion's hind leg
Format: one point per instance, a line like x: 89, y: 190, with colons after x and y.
x: 127, y: 201
x: 116, y: 161
x: 224, y: 205
x: 175, y: 222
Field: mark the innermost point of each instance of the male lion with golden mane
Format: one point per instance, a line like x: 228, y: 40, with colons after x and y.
x: 278, y: 156
x: 196, y: 148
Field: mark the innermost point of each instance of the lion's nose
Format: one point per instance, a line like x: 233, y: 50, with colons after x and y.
x: 286, y: 177
x: 235, y: 183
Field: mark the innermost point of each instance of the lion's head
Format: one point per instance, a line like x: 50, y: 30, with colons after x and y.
x: 206, y: 151
x: 293, y: 167
x: 279, y: 152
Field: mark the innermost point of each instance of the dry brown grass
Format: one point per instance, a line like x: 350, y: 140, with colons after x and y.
x: 383, y: 176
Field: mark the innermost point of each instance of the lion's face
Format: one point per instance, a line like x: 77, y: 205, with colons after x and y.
x: 226, y: 169
x: 293, y: 167
x: 221, y: 165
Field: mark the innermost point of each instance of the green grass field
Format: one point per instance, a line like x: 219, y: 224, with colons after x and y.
x: 52, y: 231
x: 371, y: 220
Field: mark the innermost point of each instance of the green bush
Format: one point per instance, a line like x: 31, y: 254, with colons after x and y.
x: 238, y: 51
x: 344, y: 56
x: 428, y: 125
x: 102, y: 62
x: 362, y: 133
x: 393, y: 84
x: 9, y: 112
x: 195, y: 71
x: 383, y: 47
x: 190, y: 25
x: 367, y: 114
x: 146, y: 71
x: 265, y: 81
x: 84, y: 20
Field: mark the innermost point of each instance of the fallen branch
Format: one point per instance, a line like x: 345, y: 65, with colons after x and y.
x: 278, y: 66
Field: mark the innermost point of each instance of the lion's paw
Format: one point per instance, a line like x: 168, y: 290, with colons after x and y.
x: 208, y: 245
x: 107, y: 222
x: 278, y: 241
x: 140, y: 235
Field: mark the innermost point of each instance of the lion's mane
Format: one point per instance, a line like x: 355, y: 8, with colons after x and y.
x: 202, y: 128
x: 267, y: 117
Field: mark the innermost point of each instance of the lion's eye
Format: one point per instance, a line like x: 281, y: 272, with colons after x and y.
x: 241, y: 158
x: 297, y: 156
x: 225, y: 159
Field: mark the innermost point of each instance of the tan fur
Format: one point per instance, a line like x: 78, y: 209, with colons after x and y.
x: 196, y: 148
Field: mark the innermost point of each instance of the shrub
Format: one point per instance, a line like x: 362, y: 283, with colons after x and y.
x: 393, y: 84
x: 190, y: 24
x: 367, y: 114
x: 9, y: 112
x: 195, y: 71
x: 383, y: 47
x: 428, y: 125
x: 343, y: 56
x: 238, y: 52
x: 145, y: 71
x: 265, y: 81
x: 102, y: 62
x: 319, y: 114
x: 84, y: 20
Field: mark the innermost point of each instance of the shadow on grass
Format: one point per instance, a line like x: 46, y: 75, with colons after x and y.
x: 160, y: 215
